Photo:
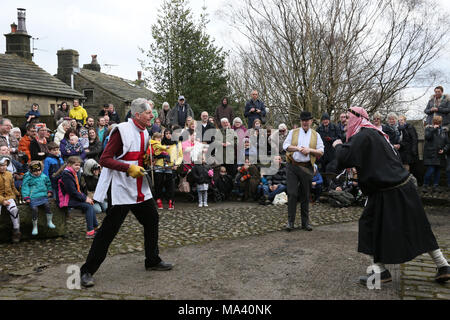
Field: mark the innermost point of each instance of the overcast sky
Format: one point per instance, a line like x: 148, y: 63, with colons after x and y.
x: 114, y: 29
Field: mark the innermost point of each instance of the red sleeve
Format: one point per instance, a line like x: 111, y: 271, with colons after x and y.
x: 114, y: 148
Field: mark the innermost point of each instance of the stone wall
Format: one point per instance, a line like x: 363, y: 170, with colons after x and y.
x: 101, y: 97
x: 19, y: 104
x: 26, y: 226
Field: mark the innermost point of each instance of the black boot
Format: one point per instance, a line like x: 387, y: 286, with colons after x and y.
x: 289, y: 226
x: 443, y: 274
x: 87, y: 280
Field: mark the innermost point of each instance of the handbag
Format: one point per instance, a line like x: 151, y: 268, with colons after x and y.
x: 184, y: 186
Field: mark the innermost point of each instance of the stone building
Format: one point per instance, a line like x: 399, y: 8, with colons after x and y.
x: 98, y: 87
x: 23, y: 83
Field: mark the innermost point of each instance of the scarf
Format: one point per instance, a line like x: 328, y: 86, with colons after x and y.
x: 358, y: 121
x: 72, y: 171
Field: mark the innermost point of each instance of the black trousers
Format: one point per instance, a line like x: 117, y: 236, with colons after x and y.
x: 167, y: 181
x: 298, y: 187
x: 147, y: 215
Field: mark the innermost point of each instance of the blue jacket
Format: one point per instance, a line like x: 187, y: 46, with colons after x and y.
x: 65, y: 155
x: 317, y: 178
x: 252, y: 116
x: 51, y: 165
x: 70, y: 187
x: 35, y: 187
x: 31, y: 113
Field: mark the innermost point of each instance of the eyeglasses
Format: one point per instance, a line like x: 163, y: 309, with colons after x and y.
x: 357, y: 114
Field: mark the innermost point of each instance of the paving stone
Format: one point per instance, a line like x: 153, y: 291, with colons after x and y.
x: 10, y: 292
x: 420, y: 294
x: 35, y: 296
x: 61, y: 297
x: 419, y: 273
x: 110, y: 297
x: 134, y: 298
x: 443, y: 296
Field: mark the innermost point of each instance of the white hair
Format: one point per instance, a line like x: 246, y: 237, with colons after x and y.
x: 165, y: 104
x: 223, y: 120
x: 15, y: 129
x: 282, y: 127
x: 392, y: 115
x: 237, y: 119
x: 139, y: 106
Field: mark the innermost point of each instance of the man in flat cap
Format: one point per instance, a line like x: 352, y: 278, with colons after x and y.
x: 303, y: 146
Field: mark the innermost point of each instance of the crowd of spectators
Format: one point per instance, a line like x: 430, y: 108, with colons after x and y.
x: 65, y: 163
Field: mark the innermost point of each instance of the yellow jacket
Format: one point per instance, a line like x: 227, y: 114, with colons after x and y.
x: 158, y: 147
x: 7, y: 189
x: 175, y: 152
x: 78, y: 113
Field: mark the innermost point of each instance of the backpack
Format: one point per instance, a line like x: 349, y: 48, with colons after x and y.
x: 340, y: 199
x: 63, y: 198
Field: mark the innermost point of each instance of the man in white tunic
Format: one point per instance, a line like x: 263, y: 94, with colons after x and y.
x: 122, y: 182
x: 303, y: 146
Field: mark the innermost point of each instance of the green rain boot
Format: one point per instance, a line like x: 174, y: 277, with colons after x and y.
x: 35, y: 228
x: 49, y: 221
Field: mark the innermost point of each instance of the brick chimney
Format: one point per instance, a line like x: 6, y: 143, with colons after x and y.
x: 94, y: 65
x: 18, y: 41
x: 139, y: 80
x: 68, y: 63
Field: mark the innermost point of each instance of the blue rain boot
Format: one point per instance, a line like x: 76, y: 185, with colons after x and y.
x: 49, y: 221
x: 35, y: 228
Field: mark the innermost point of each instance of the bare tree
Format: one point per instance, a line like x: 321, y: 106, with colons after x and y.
x: 329, y: 55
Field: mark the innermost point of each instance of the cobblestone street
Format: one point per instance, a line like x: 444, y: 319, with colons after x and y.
x: 189, y: 225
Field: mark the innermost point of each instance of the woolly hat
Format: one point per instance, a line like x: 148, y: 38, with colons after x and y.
x: 325, y: 116
x: 5, y: 160
x: 35, y: 166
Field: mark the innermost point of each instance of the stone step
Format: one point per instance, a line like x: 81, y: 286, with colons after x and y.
x: 26, y: 226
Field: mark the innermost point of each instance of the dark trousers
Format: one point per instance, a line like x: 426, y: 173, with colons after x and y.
x: 147, y: 215
x: 298, y: 187
x: 166, y: 181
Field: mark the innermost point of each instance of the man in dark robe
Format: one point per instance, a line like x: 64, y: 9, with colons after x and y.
x: 393, y: 228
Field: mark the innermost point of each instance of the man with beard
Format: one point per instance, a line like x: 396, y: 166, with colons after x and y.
x: 393, y: 228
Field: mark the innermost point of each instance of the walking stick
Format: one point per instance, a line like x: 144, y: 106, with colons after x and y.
x: 151, y: 169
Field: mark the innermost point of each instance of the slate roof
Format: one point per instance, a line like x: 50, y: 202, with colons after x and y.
x: 23, y: 76
x: 121, y: 88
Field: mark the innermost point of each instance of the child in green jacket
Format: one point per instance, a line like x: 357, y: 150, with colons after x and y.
x: 36, y: 189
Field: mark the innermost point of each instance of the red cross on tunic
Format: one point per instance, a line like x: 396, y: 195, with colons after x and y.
x: 138, y: 156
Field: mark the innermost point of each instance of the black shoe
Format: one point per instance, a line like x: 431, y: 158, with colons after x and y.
x: 307, y: 228
x: 162, y: 266
x: 442, y: 275
x: 384, y: 277
x: 289, y: 226
x: 87, y: 280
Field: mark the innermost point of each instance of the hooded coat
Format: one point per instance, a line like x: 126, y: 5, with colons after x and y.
x: 79, y: 114
x: 443, y: 110
x: 59, y: 135
x: 35, y: 187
